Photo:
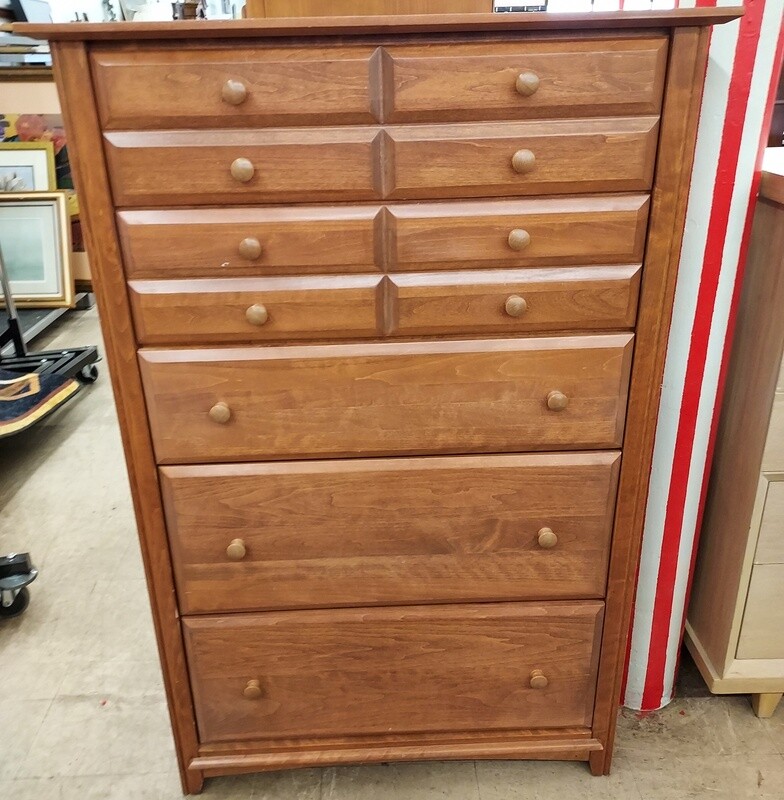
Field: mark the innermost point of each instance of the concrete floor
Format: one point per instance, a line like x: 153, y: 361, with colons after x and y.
x: 82, y: 712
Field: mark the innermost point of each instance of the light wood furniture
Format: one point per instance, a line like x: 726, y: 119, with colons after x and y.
x: 735, y: 626
x: 385, y: 300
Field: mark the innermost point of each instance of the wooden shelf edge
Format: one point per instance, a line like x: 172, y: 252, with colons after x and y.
x: 419, y: 23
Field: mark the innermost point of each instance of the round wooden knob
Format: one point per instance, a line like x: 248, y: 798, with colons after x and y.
x: 234, y: 92
x: 557, y: 401
x: 236, y: 550
x: 523, y: 161
x: 538, y: 680
x: 250, y: 248
x: 519, y: 239
x: 516, y: 306
x: 220, y: 412
x: 242, y: 170
x: 527, y: 83
x: 547, y: 538
x: 252, y: 691
x: 257, y: 314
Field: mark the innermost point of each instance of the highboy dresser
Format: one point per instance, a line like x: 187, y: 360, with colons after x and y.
x: 386, y: 303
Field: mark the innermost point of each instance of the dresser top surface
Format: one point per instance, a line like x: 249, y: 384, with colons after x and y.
x: 423, y: 23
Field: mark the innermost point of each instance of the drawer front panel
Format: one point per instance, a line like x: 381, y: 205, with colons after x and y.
x: 770, y: 545
x: 763, y: 618
x: 600, y: 155
x: 566, y: 79
x: 486, y: 233
x: 256, y: 310
x: 235, y: 167
x: 237, y: 242
x: 389, y: 532
x: 388, y: 398
x: 231, y: 87
x: 380, y: 671
x: 569, y: 298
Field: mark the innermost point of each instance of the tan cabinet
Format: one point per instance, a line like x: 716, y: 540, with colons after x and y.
x: 735, y: 626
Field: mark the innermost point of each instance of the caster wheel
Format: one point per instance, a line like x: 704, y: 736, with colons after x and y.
x: 21, y: 601
x: 88, y: 374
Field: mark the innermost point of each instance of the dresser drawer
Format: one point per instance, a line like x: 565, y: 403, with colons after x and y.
x: 377, y: 532
x: 522, y: 158
x: 256, y: 310
x: 387, y: 398
x: 504, y: 301
x: 585, y: 77
x: 380, y: 671
x: 541, y: 231
x: 236, y: 242
x: 762, y: 629
x: 161, y: 168
x: 231, y: 87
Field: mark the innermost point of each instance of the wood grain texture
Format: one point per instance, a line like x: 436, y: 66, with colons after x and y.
x: 683, y: 95
x: 475, y: 160
x: 773, y: 454
x: 579, y: 78
x: 333, y: 671
x: 599, y: 229
x: 770, y: 545
x: 566, y: 298
x: 390, y: 532
x: 719, y: 589
x: 214, y: 311
x: 381, y: 399
x: 172, y: 87
x: 403, y: 24
x: 317, y: 8
x: 204, y: 243
x: 89, y: 170
x: 160, y: 168
x: 762, y: 630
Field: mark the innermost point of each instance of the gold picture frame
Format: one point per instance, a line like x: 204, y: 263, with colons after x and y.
x: 35, y: 238
x: 37, y: 173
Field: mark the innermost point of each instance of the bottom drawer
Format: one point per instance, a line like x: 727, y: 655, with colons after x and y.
x: 762, y: 629
x: 385, y: 671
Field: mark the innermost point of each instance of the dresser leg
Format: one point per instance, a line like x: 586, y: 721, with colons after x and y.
x: 596, y: 762
x: 765, y: 704
x: 192, y: 781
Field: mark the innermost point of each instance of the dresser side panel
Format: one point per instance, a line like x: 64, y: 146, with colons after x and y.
x: 72, y: 73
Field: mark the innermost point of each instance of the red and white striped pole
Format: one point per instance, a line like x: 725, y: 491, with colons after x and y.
x: 744, y: 58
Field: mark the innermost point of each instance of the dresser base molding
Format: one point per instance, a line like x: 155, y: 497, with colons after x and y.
x: 573, y: 744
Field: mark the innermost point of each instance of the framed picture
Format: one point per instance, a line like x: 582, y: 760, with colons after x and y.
x: 35, y: 239
x: 27, y: 167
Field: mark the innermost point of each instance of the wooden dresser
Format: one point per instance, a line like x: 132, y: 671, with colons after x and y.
x: 735, y: 626
x: 386, y: 304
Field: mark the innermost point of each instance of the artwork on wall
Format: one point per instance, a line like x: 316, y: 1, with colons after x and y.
x: 35, y: 239
x: 27, y: 167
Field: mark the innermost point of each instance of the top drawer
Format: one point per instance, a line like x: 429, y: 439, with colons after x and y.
x: 232, y: 87
x: 240, y: 87
x: 524, y: 80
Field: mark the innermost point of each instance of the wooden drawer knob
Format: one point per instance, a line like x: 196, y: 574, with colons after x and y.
x: 557, y: 401
x: 236, y: 550
x: 250, y: 248
x: 538, y: 680
x: 547, y: 538
x: 519, y: 239
x: 516, y: 306
x: 527, y: 83
x: 252, y: 691
x: 257, y: 314
x: 242, y: 170
x: 523, y: 161
x: 235, y: 92
x: 220, y: 412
